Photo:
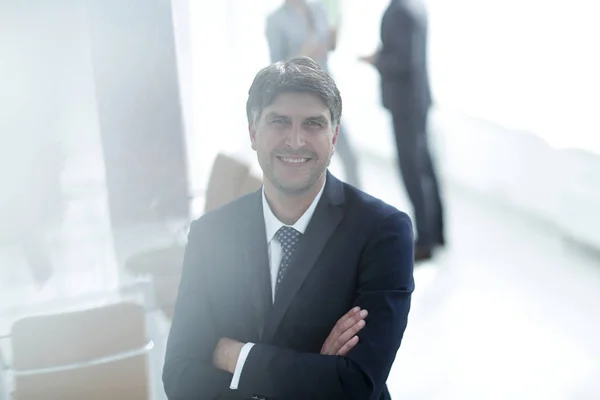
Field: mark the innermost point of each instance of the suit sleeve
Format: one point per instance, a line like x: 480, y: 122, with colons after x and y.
x: 188, y: 372
x: 385, y: 287
x: 396, y: 51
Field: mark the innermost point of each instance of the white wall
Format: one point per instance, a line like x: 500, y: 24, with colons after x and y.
x: 557, y: 185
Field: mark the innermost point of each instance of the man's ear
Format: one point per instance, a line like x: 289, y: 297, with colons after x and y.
x: 336, y: 132
x: 252, y: 133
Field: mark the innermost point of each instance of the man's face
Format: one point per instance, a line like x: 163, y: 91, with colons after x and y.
x: 294, y: 139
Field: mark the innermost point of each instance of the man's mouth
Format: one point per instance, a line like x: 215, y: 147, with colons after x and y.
x: 294, y: 160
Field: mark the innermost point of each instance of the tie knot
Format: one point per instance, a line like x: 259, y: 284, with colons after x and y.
x: 287, y: 236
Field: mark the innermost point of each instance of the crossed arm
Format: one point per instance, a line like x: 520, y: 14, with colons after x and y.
x: 200, y: 363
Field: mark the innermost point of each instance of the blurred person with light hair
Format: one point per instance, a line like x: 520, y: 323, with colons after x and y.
x: 402, y: 64
x: 305, y: 28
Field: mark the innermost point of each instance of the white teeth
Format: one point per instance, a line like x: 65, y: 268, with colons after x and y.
x: 294, y: 160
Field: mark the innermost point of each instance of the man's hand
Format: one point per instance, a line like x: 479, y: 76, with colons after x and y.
x: 333, y: 38
x: 226, y: 354
x: 308, y: 48
x: 372, y: 59
x: 314, y: 48
x: 343, y: 337
x: 340, y: 341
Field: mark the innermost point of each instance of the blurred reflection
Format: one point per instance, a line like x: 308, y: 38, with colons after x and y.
x: 31, y: 202
x: 31, y: 149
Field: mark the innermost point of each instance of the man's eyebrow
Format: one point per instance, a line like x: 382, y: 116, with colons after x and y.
x: 318, y: 118
x: 273, y: 114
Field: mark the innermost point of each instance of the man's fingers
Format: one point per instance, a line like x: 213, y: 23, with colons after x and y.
x: 348, y: 346
x: 352, y: 317
x: 349, y: 322
x: 340, y: 322
x: 348, y: 315
x: 344, y: 330
x: 349, y: 333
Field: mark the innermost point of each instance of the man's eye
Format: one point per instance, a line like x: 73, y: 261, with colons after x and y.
x: 315, y: 123
x: 279, y: 121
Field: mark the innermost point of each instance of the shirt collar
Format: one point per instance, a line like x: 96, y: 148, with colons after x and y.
x: 273, y: 224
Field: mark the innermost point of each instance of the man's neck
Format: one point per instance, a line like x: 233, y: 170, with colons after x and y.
x: 288, y: 209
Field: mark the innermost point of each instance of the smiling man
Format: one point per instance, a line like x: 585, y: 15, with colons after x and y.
x: 300, y: 290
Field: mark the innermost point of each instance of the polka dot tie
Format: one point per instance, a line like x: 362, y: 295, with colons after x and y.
x: 288, y: 238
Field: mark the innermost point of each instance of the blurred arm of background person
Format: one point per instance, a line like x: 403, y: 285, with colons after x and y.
x: 394, y: 55
x: 276, y: 40
x: 318, y: 11
x: 333, y: 10
x: 314, y: 49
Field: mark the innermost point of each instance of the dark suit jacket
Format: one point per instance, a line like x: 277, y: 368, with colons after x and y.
x: 356, y: 251
x: 402, y: 61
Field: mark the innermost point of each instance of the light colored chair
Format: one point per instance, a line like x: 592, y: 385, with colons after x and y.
x: 251, y: 184
x: 93, y: 354
x: 229, y: 179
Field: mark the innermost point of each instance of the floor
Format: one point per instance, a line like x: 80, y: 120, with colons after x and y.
x: 508, y: 310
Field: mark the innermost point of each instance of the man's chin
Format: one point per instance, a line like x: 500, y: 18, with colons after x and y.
x: 294, y: 189
x: 291, y: 185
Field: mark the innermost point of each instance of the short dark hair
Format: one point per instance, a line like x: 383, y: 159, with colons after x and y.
x: 300, y: 74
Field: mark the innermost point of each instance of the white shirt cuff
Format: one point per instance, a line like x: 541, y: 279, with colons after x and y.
x: 240, y: 365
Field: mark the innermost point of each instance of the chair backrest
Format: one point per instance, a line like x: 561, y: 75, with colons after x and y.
x: 250, y: 184
x: 98, y: 353
x: 229, y: 179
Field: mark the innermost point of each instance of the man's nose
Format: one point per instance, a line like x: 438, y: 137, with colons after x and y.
x: 295, y: 138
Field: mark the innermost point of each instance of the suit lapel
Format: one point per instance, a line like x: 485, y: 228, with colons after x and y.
x: 323, y: 223
x: 255, y: 263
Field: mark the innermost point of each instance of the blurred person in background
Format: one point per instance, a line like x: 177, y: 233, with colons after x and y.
x: 402, y: 64
x: 262, y: 309
x: 302, y: 28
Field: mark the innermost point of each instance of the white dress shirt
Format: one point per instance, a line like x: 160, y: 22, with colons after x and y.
x: 272, y: 225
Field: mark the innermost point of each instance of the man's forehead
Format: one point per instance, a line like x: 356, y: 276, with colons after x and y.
x: 297, y: 103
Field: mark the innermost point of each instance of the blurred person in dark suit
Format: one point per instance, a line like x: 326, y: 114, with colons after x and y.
x: 262, y: 309
x: 303, y: 28
x: 402, y: 64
